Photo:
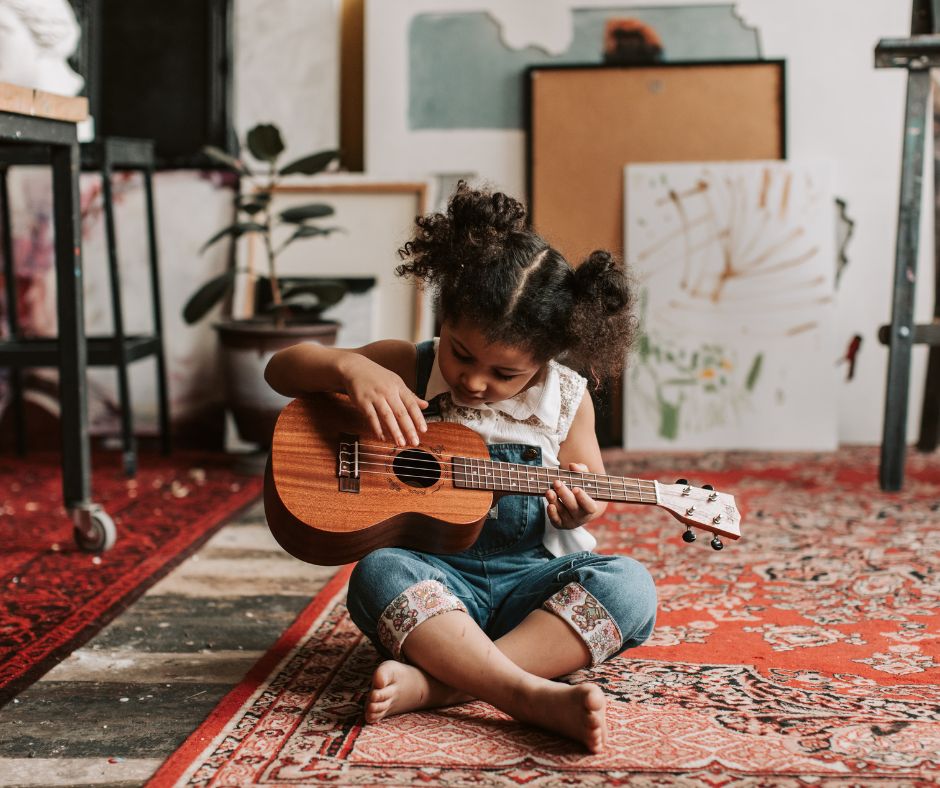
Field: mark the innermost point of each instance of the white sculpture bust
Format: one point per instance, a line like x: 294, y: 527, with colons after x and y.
x: 36, y: 39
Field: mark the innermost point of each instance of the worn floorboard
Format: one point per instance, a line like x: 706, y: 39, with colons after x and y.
x: 114, y: 710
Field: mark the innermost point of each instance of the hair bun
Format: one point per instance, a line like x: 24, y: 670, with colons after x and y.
x: 483, y: 219
x: 600, y: 278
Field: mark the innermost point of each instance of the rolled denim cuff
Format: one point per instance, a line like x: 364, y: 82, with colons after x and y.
x: 588, y: 618
x: 411, y: 607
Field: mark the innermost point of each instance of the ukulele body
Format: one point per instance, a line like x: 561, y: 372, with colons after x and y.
x: 329, y: 505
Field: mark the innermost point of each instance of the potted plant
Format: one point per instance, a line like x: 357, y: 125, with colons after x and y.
x: 279, y: 311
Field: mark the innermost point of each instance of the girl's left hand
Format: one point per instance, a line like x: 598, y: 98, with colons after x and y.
x: 570, y: 508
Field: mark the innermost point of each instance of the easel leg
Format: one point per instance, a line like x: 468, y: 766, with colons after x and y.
x: 900, y: 341
x: 930, y: 410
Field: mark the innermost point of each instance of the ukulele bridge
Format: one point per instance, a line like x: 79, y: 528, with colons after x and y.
x: 347, y: 463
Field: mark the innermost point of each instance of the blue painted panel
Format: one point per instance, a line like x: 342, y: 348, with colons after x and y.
x: 462, y: 76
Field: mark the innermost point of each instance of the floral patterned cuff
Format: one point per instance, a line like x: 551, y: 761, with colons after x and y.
x: 588, y: 618
x: 411, y: 607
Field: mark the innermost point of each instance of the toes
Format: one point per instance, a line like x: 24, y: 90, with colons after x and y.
x: 376, y: 711
x: 595, y: 718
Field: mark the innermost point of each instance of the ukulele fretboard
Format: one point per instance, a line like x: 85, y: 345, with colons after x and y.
x: 476, y: 474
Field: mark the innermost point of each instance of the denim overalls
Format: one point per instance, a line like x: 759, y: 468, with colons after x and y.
x: 609, y: 601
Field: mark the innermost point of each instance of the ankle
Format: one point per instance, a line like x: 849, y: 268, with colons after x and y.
x: 525, y: 692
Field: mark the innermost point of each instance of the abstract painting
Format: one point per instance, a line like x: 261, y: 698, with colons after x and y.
x: 735, y: 266
x: 444, y: 79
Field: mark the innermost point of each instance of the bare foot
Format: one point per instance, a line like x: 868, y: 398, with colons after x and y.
x: 397, y: 688
x: 578, y: 712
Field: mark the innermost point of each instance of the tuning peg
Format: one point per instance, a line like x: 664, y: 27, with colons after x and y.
x: 688, y: 536
x: 716, y: 544
x: 682, y: 481
x: 707, y: 487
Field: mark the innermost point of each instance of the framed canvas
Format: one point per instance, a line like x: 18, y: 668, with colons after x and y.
x: 587, y: 122
x: 374, y: 219
x: 164, y: 72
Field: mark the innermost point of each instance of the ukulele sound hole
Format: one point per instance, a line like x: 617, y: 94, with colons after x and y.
x: 417, y: 468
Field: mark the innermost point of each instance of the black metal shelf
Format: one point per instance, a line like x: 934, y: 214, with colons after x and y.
x: 103, y: 157
x: 114, y: 153
x: 120, y: 153
x: 103, y: 351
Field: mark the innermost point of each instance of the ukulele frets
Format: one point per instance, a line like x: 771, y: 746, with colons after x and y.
x: 479, y: 474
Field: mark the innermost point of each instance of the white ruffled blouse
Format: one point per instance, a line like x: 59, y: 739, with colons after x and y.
x: 541, y: 415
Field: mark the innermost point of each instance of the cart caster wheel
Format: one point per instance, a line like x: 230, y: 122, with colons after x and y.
x: 94, y: 531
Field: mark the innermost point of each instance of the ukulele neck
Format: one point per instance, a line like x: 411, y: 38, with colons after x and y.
x: 517, y: 479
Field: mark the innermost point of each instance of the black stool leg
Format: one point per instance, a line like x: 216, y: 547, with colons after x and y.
x: 900, y: 340
x: 9, y: 276
x: 163, y: 401
x: 73, y: 350
x: 120, y: 346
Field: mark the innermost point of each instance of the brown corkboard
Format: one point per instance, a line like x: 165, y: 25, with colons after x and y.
x: 587, y: 122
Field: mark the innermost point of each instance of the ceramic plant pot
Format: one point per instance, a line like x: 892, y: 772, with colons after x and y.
x: 247, y: 346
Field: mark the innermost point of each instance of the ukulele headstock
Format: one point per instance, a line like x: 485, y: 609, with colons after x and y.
x: 701, y: 507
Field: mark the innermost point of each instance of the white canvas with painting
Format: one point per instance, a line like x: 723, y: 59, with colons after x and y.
x: 735, y: 267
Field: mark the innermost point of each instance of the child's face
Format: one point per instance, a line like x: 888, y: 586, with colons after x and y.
x: 478, y: 371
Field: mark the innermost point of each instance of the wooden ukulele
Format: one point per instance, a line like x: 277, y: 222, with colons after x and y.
x: 334, y: 492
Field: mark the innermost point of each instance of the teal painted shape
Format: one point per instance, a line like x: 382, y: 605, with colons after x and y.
x: 462, y: 76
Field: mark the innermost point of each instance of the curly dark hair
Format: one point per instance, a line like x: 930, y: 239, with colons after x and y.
x: 487, y: 267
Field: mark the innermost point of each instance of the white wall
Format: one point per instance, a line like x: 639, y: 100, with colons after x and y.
x: 839, y: 108
x: 286, y: 71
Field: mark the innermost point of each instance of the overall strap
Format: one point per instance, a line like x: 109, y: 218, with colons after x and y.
x: 423, y: 365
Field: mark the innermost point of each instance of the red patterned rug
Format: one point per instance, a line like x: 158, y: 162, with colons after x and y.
x: 807, y: 653
x: 54, y: 596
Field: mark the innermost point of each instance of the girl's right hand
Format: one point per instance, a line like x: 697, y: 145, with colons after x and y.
x: 384, y: 399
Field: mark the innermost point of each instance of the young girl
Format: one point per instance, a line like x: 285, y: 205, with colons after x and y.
x: 529, y: 601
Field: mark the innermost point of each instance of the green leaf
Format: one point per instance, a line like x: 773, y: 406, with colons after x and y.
x: 265, y: 143
x: 234, y: 230
x: 219, y: 155
x: 254, y: 202
x: 754, y: 372
x: 327, y: 292
x: 302, y: 213
x: 312, y: 164
x: 311, y: 231
x: 207, y: 296
x: 669, y: 419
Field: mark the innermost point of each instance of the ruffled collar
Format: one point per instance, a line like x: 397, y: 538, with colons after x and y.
x: 543, y: 400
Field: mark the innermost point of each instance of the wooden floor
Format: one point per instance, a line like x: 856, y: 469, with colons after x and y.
x: 112, y: 712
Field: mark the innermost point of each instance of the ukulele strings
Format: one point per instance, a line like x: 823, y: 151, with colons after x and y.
x: 433, y: 463
x: 527, y: 485
x: 608, y: 482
